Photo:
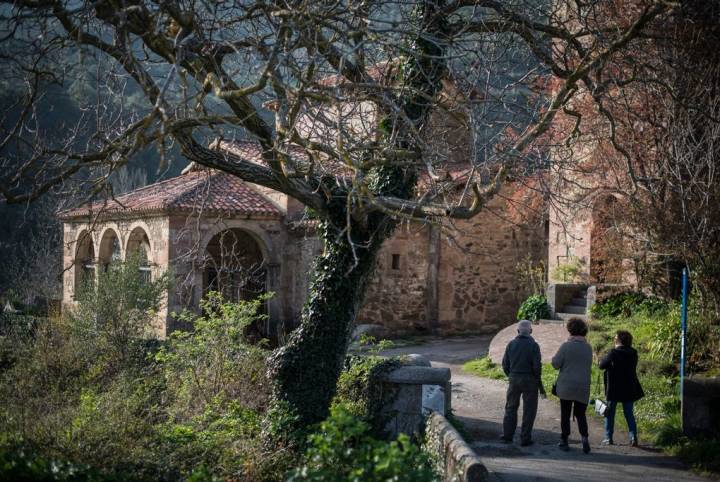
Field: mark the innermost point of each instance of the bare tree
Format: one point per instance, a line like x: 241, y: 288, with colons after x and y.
x: 653, y: 145
x: 352, y: 89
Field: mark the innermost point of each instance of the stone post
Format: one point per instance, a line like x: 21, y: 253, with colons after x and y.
x: 418, y: 390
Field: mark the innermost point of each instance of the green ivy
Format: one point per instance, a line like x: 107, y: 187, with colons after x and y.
x: 360, y: 390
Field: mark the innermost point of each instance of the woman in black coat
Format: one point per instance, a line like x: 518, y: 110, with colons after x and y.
x: 621, y: 385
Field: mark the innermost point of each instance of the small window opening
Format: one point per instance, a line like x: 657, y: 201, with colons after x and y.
x: 395, y: 261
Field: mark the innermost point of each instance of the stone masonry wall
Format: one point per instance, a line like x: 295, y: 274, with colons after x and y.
x: 396, y: 297
x: 479, y: 287
x: 476, y: 283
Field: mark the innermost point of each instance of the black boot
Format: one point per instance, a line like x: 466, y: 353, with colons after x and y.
x: 586, y: 445
x: 563, y: 444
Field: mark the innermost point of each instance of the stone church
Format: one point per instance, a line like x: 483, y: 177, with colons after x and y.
x: 213, y: 231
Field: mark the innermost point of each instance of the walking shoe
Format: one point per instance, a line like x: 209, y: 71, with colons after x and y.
x: 526, y: 443
x: 563, y: 444
x: 633, y: 442
x: 505, y: 440
x: 608, y: 441
x: 586, y: 445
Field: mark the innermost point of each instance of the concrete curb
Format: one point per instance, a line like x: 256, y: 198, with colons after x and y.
x: 457, y: 460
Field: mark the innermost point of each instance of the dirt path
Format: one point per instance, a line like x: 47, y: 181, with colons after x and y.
x: 479, y: 403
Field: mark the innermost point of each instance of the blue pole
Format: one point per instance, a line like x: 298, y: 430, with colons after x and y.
x: 683, y: 328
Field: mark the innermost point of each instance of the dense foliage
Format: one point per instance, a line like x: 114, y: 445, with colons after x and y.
x: 91, y: 394
x: 534, y: 308
x: 343, y: 449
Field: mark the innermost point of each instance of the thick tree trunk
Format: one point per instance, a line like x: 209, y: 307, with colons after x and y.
x: 306, y: 369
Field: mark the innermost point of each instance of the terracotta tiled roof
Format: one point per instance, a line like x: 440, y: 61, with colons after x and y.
x: 199, y: 190
x: 252, y: 151
x: 381, y: 72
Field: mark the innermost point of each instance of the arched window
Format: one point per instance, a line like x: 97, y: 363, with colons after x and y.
x: 139, y: 245
x: 234, y: 266
x: 84, y: 261
x: 109, y: 249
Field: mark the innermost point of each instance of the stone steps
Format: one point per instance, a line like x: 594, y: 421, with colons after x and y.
x: 578, y: 302
x: 563, y: 317
x: 574, y: 309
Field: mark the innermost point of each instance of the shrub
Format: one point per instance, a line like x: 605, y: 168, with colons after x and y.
x: 22, y: 464
x: 216, y: 390
x: 89, y: 393
x: 631, y: 303
x: 216, y: 359
x: 622, y: 304
x: 534, y: 308
x: 342, y: 449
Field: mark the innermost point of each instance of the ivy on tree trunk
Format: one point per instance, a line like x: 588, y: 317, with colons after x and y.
x: 305, y: 371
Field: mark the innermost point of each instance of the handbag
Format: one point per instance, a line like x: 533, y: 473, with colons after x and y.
x: 553, y: 390
x: 601, y: 407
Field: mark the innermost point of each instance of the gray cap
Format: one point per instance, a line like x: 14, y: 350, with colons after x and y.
x: 524, y: 327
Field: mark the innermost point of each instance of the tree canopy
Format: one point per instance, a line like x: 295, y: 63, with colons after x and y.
x: 340, y: 96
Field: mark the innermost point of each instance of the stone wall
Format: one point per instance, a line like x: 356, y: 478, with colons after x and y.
x: 701, y: 407
x: 302, y: 248
x: 464, y: 282
x: 396, y: 296
x: 456, y: 460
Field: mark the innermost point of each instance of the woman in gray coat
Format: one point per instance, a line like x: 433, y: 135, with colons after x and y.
x: 574, y: 360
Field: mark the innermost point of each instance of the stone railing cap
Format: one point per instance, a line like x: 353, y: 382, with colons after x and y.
x: 414, y: 375
x: 702, y: 386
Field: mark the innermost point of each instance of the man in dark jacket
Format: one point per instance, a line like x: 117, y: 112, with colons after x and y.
x: 521, y: 364
x: 621, y: 385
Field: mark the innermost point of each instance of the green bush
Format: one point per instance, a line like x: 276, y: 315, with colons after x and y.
x: 23, y: 464
x: 534, y: 308
x: 630, y: 303
x: 343, y: 450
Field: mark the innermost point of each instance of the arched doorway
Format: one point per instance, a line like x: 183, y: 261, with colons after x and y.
x: 607, y: 248
x: 234, y: 265
x: 84, y: 261
x: 109, y: 251
x: 138, y: 245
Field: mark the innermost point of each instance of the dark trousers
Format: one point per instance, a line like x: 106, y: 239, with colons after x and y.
x: 525, y: 386
x: 578, y: 410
